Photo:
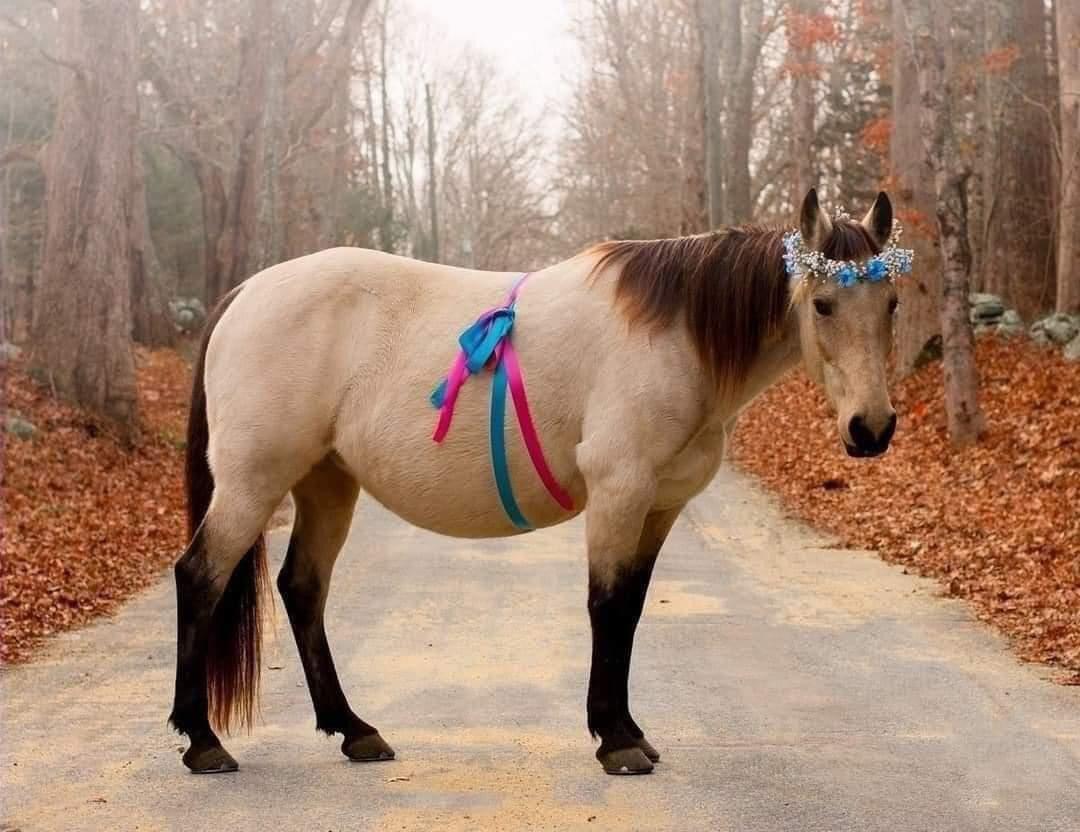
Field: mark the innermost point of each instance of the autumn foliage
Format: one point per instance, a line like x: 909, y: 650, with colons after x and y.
x: 997, y: 523
x: 88, y: 521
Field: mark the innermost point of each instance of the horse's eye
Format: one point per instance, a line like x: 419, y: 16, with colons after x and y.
x: 893, y: 303
x: 823, y: 307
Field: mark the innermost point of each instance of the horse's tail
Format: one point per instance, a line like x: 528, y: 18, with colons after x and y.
x: 232, y: 660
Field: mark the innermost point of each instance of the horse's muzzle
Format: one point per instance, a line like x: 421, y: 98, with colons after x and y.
x: 864, y: 442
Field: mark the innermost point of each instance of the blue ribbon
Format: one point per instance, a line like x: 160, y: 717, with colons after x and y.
x: 499, y: 465
x: 479, y: 343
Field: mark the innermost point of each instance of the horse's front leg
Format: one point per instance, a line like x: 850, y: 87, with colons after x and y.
x: 624, y: 539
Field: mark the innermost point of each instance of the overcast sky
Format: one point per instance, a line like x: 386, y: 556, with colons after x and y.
x: 528, y: 40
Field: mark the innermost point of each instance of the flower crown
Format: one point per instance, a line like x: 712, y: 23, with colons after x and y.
x: 801, y: 260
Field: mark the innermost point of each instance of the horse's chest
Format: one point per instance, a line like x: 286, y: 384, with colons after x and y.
x: 691, y: 470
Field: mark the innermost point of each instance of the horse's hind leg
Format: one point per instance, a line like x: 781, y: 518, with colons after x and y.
x: 230, y: 534
x: 325, y: 499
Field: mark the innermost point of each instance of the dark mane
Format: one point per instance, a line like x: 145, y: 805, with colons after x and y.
x: 729, y: 286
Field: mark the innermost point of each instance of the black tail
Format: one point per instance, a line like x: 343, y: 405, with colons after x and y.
x: 232, y: 662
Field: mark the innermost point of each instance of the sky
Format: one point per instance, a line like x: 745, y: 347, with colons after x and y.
x: 528, y: 39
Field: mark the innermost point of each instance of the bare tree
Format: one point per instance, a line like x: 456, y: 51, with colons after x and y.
x: 803, y: 69
x: 936, y: 91
x: 1017, y: 233
x: 82, y: 311
x: 710, y: 15
x: 919, y: 318
x: 1068, y: 262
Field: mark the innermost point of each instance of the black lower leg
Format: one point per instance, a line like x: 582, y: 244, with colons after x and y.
x: 614, y: 610
x: 304, y: 594
x: 195, y: 600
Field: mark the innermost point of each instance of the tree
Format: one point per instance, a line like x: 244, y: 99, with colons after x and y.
x: 916, y: 205
x: 1017, y: 238
x: 745, y: 21
x: 1068, y: 255
x: 936, y: 92
x: 82, y: 309
x: 801, y: 17
x: 710, y: 16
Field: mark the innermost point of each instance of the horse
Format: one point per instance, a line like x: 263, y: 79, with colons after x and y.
x: 313, y: 379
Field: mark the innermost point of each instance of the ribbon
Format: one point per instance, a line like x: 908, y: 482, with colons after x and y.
x: 487, y: 343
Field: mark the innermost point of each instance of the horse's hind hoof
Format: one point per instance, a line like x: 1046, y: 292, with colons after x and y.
x: 211, y: 760
x: 630, y: 760
x: 647, y: 747
x: 370, y: 748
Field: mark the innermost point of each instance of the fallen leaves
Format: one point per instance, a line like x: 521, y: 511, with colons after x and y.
x: 88, y: 522
x: 998, y: 524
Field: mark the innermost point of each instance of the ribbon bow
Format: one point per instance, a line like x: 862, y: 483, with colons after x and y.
x: 487, y: 343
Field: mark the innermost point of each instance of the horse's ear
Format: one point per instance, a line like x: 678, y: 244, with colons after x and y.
x: 878, y: 220
x: 814, y: 224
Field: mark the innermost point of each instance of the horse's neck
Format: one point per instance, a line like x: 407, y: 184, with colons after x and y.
x: 777, y: 356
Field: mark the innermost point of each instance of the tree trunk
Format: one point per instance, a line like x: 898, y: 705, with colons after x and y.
x: 919, y: 319
x: 152, y: 324
x: 804, y: 72
x: 236, y: 243
x: 1017, y: 167
x: 386, y: 233
x: 82, y: 315
x: 433, y: 205
x: 740, y: 115
x: 709, y: 19
x: 936, y: 90
x: 1068, y: 262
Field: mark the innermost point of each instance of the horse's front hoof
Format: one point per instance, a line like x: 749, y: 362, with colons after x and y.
x: 209, y: 760
x: 630, y: 760
x: 370, y: 748
x: 647, y: 747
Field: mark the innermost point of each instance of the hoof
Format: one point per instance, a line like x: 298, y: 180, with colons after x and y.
x: 650, y: 752
x: 209, y: 760
x: 625, y: 761
x: 370, y: 748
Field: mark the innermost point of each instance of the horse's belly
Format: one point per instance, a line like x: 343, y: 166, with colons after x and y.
x: 449, y: 488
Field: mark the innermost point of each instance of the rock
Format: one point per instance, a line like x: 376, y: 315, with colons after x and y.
x: 188, y: 313
x: 8, y: 352
x: 985, y: 308
x: 19, y: 427
x: 930, y: 352
x: 1072, y: 349
x: 1055, y: 329
x: 1011, y: 324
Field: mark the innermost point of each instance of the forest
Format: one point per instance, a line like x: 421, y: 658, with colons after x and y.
x: 156, y: 153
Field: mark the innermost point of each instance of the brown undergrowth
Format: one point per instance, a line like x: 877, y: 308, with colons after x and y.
x: 86, y: 521
x: 998, y: 523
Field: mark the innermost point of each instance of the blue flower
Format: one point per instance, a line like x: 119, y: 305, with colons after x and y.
x: 876, y: 269
x: 846, y: 277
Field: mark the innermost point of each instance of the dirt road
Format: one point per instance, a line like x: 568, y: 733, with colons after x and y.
x: 788, y: 686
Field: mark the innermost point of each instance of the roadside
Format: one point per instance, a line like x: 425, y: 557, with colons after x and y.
x: 997, y: 524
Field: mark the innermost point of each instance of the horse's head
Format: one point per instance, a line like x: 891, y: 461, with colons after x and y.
x: 844, y: 301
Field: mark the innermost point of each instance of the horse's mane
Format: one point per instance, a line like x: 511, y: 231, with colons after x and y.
x: 730, y: 286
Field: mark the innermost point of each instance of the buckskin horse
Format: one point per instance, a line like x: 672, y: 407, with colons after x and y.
x: 314, y: 378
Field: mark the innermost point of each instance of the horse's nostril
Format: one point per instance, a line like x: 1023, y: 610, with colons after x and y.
x: 890, y: 429
x: 860, y: 434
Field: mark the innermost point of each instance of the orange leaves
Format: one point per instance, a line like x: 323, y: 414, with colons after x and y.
x: 1000, y: 61
x: 877, y: 135
x: 86, y: 521
x: 916, y: 222
x: 806, y: 30
x: 996, y: 523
